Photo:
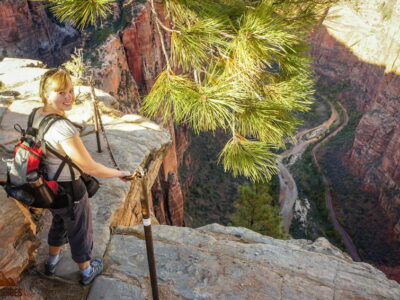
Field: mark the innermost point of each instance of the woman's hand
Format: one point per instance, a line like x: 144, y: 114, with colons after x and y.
x: 125, y: 176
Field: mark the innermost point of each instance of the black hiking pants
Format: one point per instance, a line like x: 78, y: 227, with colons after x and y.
x: 78, y: 232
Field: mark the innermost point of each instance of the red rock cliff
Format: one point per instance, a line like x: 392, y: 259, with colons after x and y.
x: 137, y: 49
x: 359, y: 43
x: 113, y: 75
x: 145, y: 59
x: 143, y: 47
x: 26, y: 31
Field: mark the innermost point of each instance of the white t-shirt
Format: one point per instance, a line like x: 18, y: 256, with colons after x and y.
x: 59, y: 131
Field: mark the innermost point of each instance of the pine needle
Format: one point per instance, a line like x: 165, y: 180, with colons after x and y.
x: 294, y: 94
x: 81, y: 13
x: 253, y: 159
x: 265, y: 121
x: 262, y: 36
x: 168, y: 97
x: 194, y: 45
x: 214, y: 106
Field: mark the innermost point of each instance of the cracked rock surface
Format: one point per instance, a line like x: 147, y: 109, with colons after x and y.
x: 217, y: 262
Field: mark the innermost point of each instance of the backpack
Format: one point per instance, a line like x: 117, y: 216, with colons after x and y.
x: 27, y: 179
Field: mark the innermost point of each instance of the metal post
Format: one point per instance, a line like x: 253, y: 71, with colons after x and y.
x: 96, y: 116
x: 149, y: 239
x: 144, y: 201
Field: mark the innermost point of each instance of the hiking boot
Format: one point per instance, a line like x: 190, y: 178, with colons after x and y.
x: 50, y: 269
x: 97, y: 268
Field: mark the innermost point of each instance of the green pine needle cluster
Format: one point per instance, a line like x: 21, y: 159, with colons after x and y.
x: 81, y: 13
x: 251, y: 158
x: 204, y: 107
x: 194, y: 44
x: 168, y: 96
x: 241, y: 66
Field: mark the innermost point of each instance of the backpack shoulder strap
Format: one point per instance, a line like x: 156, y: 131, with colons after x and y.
x: 44, y: 126
x: 31, y: 117
x: 65, y: 159
x: 46, y: 123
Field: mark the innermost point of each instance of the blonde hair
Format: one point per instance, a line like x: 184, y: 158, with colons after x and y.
x: 57, y: 78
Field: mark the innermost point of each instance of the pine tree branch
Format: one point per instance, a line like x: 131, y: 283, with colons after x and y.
x: 242, y: 65
x: 155, y: 16
x: 165, y: 27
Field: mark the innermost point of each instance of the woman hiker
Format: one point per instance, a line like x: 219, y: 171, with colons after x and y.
x: 57, y: 94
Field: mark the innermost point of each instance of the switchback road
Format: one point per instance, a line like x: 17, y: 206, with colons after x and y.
x: 347, y: 241
x: 288, y: 188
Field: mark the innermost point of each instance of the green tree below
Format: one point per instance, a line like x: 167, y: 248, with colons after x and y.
x: 256, y: 210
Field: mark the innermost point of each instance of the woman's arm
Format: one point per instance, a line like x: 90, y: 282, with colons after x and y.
x: 77, y: 151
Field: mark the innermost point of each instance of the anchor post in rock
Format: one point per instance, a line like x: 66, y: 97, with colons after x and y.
x: 96, y: 115
x: 145, y: 204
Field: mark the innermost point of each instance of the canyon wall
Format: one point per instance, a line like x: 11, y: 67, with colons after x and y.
x: 359, y: 43
x: 112, y: 75
x: 129, y: 62
x: 27, y: 31
x: 146, y: 61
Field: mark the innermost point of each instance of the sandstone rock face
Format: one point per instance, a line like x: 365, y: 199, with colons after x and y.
x: 146, y: 61
x: 26, y: 31
x: 359, y: 42
x: 17, y: 240
x: 170, y: 196
x: 132, y: 139
x: 128, y: 65
x: 113, y: 75
x: 143, y: 48
x: 217, y: 262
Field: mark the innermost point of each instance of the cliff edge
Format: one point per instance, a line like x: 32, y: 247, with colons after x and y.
x: 217, y: 262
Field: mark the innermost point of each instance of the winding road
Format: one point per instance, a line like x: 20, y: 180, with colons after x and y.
x: 288, y: 189
x: 346, y: 239
x: 287, y: 195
